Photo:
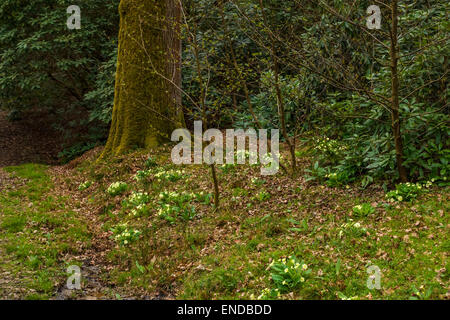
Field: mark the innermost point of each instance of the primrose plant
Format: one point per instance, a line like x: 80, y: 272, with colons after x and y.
x: 125, y: 235
x: 407, y: 191
x: 289, y: 273
x: 363, y: 210
x: 117, y: 188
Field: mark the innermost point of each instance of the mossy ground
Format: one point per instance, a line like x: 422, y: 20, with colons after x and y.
x: 39, y: 232
x: 222, y: 253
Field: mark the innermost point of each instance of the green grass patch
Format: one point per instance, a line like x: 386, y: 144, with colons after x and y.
x: 37, y: 230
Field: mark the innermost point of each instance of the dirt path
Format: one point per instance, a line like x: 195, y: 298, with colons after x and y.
x: 93, y: 259
x: 32, y: 140
x: 95, y: 264
x: 17, y: 282
x: 28, y: 140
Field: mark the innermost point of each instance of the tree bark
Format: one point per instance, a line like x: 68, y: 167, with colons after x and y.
x: 147, y: 100
x: 279, y: 95
x: 395, y: 112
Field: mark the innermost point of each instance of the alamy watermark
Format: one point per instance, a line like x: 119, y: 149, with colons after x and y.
x: 373, y: 21
x: 191, y: 150
x: 74, y: 280
x: 74, y: 20
x: 374, y: 279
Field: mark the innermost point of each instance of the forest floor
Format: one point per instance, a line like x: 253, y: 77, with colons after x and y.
x: 41, y: 249
x: 52, y: 217
x: 29, y: 140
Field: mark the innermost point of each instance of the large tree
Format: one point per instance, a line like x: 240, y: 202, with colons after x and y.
x: 147, y: 101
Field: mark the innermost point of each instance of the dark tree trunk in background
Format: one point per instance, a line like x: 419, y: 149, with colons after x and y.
x: 395, y: 112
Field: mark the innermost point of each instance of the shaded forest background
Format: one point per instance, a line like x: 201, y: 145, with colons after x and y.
x: 363, y: 179
x: 243, y: 60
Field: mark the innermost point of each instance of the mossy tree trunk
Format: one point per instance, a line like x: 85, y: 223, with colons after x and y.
x: 147, y: 101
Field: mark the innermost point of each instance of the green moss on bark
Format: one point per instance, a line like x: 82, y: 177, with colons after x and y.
x: 146, y: 106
